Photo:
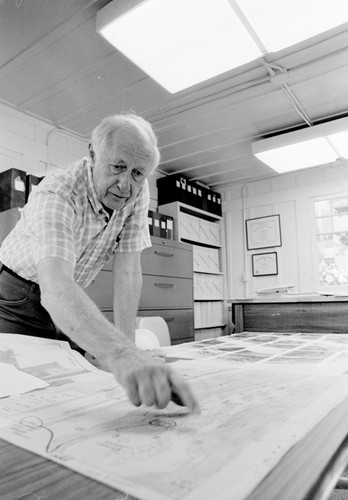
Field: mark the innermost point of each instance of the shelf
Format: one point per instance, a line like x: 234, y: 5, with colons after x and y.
x: 218, y: 273
x: 189, y: 209
x: 202, y: 230
x: 198, y: 243
x: 208, y: 300
x: 207, y: 327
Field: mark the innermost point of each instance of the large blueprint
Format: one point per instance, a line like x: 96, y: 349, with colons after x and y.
x: 259, y: 395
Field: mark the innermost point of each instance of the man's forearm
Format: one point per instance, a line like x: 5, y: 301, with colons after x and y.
x: 126, y: 302
x: 146, y: 380
x: 77, y: 316
x: 127, y: 290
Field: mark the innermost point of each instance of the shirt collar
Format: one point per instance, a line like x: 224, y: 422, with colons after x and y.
x: 91, y: 191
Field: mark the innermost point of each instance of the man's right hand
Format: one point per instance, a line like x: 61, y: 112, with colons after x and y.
x: 149, y: 381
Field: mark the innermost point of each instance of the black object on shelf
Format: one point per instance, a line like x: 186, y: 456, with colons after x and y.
x: 12, y: 189
x: 31, y: 182
x: 178, y: 188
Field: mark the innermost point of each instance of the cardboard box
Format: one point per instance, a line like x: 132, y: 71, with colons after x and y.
x: 12, y: 189
x: 179, y: 188
x: 212, y: 202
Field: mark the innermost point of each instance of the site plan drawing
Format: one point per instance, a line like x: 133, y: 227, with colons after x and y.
x: 259, y: 395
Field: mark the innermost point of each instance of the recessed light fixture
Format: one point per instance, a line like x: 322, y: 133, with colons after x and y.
x: 308, y: 147
x: 180, y: 43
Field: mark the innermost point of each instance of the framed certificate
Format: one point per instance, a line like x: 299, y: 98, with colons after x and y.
x: 263, y: 232
x: 265, y: 264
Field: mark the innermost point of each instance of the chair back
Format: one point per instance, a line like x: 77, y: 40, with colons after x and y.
x: 157, y: 325
x: 145, y: 339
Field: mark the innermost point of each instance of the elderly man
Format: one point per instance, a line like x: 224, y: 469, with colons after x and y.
x: 73, y: 223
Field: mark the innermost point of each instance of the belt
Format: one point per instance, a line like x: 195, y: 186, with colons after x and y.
x: 12, y: 273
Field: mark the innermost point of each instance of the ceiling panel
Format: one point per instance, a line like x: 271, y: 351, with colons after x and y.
x: 54, y: 65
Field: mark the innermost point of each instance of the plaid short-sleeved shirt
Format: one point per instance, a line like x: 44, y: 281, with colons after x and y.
x: 64, y: 218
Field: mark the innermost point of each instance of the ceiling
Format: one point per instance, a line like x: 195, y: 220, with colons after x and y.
x: 55, y: 66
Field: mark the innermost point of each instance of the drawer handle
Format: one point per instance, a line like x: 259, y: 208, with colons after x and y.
x: 164, y: 254
x: 169, y: 319
x: 165, y: 285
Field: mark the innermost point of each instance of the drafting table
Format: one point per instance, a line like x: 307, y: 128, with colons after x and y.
x: 308, y: 470
x: 25, y: 474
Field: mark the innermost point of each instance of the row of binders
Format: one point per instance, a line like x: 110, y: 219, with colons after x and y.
x: 161, y: 225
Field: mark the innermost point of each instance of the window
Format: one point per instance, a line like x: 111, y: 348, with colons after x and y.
x: 331, y: 225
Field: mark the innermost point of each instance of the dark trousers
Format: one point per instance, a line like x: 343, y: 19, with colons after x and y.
x: 21, y: 310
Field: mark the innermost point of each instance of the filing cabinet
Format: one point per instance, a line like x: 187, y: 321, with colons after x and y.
x: 168, y: 287
x: 167, y: 269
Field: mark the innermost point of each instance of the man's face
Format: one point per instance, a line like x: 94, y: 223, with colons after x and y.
x: 120, y: 170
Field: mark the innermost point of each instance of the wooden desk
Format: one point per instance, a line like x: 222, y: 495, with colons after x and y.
x: 26, y: 476
x: 311, y: 313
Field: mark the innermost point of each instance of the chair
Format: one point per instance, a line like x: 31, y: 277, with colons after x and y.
x: 157, y: 325
x: 145, y: 339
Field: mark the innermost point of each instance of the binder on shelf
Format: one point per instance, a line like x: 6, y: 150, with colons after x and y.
x: 166, y: 224
x: 212, y: 202
x: 161, y: 225
x: 156, y: 224
x: 179, y: 188
x: 150, y: 221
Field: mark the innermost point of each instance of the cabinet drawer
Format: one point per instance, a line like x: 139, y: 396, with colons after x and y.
x: 164, y: 291
x: 179, y: 321
x: 101, y: 290
x: 167, y: 261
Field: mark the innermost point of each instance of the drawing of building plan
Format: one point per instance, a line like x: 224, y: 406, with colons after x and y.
x: 259, y: 395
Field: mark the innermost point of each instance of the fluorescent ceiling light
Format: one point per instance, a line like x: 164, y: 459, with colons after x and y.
x: 179, y: 43
x: 308, y: 147
x: 282, y: 23
x: 340, y: 142
x: 297, y: 156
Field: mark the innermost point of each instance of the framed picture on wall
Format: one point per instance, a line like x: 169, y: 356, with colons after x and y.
x: 265, y: 264
x: 263, y: 232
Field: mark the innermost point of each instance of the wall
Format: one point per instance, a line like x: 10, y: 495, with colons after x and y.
x: 39, y: 148
x: 292, y: 197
